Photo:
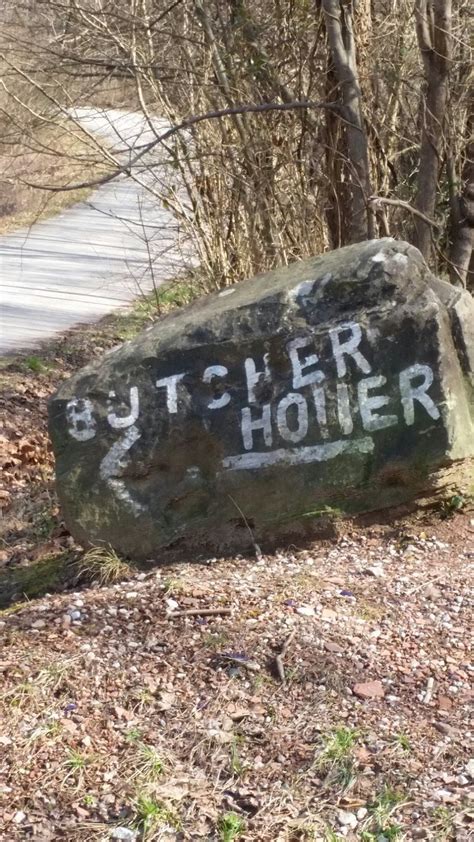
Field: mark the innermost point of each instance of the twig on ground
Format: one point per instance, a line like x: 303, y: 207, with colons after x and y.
x: 429, y: 691
x: 425, y: 584
x: 200, y: 612
x: 253, y: 666
x: 279, y: 658
x: 258, y: 552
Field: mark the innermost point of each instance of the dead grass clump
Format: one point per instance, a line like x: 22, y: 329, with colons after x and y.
x: 103, y: 566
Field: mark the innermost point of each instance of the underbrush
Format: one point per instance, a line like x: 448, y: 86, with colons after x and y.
x: 51, y: 156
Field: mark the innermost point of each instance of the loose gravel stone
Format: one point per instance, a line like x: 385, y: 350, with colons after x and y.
x: 369, y: 690
x: 347, y: 819
x: 38, y: 624
x: 376, y: 571
x: 125, y: 834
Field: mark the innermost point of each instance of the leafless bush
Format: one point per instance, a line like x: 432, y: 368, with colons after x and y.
x: 392, y: 156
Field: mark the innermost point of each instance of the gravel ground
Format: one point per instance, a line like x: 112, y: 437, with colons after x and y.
x: 117, y: 712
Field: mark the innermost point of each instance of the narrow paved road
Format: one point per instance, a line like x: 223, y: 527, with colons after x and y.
x: 93, y: 257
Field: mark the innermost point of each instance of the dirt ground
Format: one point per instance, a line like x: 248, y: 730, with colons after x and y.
x: 128, y: 712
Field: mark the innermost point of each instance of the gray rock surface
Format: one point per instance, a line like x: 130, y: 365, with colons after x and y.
x: 338, y: 384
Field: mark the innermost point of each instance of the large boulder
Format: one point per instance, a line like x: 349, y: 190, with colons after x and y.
x: 343, y: 383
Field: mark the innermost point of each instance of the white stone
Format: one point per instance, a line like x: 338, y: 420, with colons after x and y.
x: 38, y: 624
x: 375, y: 570
x: 306, y: 611
x: 171, y: 604
x: 347, y: 819
x: 126, y: 834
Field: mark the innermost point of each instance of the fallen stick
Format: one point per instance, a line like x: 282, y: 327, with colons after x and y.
x: 258, y: 552
x: 279, y: 658
x: 429, y: 691
x: 253, y: 666
x: 201, y: 612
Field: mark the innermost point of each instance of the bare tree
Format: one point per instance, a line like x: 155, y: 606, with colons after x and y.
x: 338, y: 17
x: 462, y: 212
x: 259, y: 175
x: 433, y: 27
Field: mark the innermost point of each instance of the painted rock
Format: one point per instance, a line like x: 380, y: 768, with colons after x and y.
x: 339, y: 384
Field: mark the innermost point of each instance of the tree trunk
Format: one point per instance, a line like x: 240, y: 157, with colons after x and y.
x: 462, y: 214
x: 433, y: 27
x: 338, y: 200
x: 338, y: 20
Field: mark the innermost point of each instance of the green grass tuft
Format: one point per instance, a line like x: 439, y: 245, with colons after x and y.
x: 339, y: 743
x: 230, y: 827
x: 151, y: 815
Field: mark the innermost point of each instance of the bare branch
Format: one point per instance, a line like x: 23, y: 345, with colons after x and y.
x: 126, y: 169
x: 376, y: 201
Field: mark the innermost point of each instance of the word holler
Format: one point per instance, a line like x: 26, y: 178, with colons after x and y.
x: 295, y: 416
